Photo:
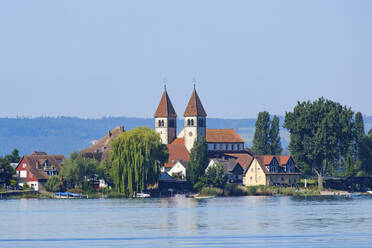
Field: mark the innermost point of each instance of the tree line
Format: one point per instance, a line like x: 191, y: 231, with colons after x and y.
x: 326, y: 138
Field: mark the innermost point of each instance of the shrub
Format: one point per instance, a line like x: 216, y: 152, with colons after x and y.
x: 211, y: 191
x: 53, y: 184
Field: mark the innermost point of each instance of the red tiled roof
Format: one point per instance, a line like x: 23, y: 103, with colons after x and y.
x: 266, y: 159
x: 194, y: 107
x: 179, y: 141
x: 223, y: 136
x: 244, y: 159
x: 35, y: 161
x: 177, y: 152
x: 165, y: 108
x: 283, y: 159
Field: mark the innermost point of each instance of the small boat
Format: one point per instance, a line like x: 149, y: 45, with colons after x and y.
x: 141, y: 195
x: 369, y: 192
x: 200, y: 197
x: 69, y: 195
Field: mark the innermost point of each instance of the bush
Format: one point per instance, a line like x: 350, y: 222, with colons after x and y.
x: 53, y: 184
x: 211, y: 191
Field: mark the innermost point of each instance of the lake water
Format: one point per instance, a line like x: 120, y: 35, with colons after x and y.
x: 182, y: 222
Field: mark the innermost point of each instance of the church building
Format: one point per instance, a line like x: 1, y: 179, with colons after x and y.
x: 219, y: 141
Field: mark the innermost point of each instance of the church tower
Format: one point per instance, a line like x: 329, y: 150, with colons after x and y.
x: 195, y: 121
x: 166, y: 119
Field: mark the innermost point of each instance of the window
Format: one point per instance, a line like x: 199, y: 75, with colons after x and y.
x: 251, y: 178
x: 188, y: 122
x: 259, y: 178
x: 215, y: 147
x: 159, y: 123
x: 258, y: 168
x: 192, y: 122
x: 282, y: 178
x: 252, y: 169
x: 162, y: 123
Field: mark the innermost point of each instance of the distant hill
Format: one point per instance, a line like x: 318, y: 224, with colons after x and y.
x: 62, y: 135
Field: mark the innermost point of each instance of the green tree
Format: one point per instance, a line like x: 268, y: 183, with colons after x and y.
x: 106, y: 171
x: 78, y: 170
x: 198, y: 161
x: 261, y: 139
x: 274, y: 137
x: 54, y: 184
x: 359, y: 135
x: 136, y: 158
x: 321, y: 133
x: 366, y: 155
x: 13, y: 157
x: 6, y: 171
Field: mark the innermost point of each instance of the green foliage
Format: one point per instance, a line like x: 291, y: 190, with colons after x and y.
x: 349, y: 166
x: 6, y: 171
x: 274, y: 138
x: 105, y: 171
x: 365, y: 157
x: 266, y: 137
x: 53, y: 184
x: 359, y: 134
x: 136, y: 158
x: 215, y: 176
x: 321, y: 134
x: 198, y: 161
x: 211, y: 191
x: 261, y: 140
x: 13, y: 157
x: 76, y: 170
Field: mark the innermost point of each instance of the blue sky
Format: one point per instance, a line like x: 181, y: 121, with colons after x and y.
x: 108, y: 58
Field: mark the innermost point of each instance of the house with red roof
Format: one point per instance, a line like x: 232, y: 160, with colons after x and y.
x: 34, y: 170
x: 272, y: 170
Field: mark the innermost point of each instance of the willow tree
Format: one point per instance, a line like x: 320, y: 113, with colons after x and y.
x: 136, y: 158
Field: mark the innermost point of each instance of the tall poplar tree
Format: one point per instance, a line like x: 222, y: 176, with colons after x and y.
x: 261, y: 139
x: 275, y: 144
x: 198, y: 161
x: 136, y: 158
x: 359, y: 135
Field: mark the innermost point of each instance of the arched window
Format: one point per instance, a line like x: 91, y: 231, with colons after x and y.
x: 159, y: 123
x: 192, y: 122
x: 162, y: 123
x: 188, y: 122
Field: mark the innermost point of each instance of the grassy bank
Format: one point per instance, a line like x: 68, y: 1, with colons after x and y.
x: 238, y: 190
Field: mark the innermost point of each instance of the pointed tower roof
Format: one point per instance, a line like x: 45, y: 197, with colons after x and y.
x: 165, y: 108
x: 194, y: 107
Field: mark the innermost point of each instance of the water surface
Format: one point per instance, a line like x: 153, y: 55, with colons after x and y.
x: 182, y: 222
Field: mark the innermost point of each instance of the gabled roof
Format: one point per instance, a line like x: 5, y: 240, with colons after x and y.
x: 177, y: 152
x: 37, y: 161
x: 244, y: 159
x: 283, y: 159
x: 228, y: 164
x: 194, y: 107
x: 101, y: 148
x: 223, y: 136
x: 265, y: 159
x: 165, y: 108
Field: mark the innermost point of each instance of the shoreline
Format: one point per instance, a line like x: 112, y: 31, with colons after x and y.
x: 299, y: 193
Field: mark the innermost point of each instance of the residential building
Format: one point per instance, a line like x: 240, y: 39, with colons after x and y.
x: 34, y: 170
x: 231, y: 168
x: 266, y: 170
x: 101, y: 149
